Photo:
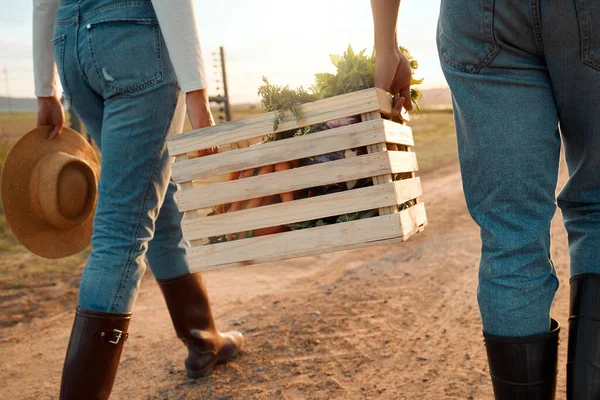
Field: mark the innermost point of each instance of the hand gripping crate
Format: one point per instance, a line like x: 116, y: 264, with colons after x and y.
x: 389, y: 157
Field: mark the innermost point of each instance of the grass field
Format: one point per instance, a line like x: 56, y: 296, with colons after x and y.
x: 434, y: 143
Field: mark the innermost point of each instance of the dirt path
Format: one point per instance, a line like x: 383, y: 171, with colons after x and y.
x: 395, y: 322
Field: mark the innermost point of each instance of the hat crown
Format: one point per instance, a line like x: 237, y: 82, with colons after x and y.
x: 63, y: 190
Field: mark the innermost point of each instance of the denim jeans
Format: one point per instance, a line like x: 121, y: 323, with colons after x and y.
x: 518, y: 69
x: 116, y: 73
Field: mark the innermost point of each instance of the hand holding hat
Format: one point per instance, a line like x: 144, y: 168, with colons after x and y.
x: 49, y: 191
x: 50, y: 112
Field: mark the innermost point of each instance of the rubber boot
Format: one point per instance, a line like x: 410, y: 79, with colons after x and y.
x: 524, y: 368
x: 192, y: 318
x: 583, y: 359
x: 93, y: 355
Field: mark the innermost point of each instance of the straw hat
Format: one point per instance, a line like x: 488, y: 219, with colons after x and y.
x: 49, y: 192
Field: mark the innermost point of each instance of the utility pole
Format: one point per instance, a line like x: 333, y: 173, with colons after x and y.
x: 225, y: 97
x: 7, y: 90
x: 225, y: 92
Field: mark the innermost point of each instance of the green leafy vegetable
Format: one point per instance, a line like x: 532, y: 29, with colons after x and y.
x: 354, y: 71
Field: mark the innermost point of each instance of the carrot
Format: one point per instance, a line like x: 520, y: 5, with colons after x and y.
x: 282, y: 166
x: 270, y: 231
x: 203, y: 152
x: 267, y: 169
x: 223, y: 208
x: 237, y: 206
x: 240, y: 205
x: 256, y: 202
x: 288, y: 196
x: 234, y: 175
x: 273, y: 229
x: 247, y: 173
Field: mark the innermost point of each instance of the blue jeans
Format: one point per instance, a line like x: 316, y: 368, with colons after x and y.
x: 116, y: 73
x: 517, y: 69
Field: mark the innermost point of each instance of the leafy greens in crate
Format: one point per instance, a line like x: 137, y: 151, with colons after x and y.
x: 354, y: 72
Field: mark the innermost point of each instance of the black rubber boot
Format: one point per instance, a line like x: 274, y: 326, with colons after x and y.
x: 524, y: 368
x: 583, y: 360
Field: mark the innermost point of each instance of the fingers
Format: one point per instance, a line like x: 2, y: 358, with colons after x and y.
x: 56, y: 131
x: 397, y: 105
x: 50, y: 112
x: 405, y: 93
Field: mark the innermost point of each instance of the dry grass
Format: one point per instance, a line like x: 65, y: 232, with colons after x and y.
x: 435, y: 140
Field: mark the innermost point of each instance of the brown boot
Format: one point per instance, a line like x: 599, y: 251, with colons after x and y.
x: 93, y: 355
x: 192, y: 318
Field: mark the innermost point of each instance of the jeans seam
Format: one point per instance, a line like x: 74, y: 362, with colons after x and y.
x: 537, y: 26
x: 75, y: 50
x: 584, y: 18
x: 115, y: 302
x: 116, y: 6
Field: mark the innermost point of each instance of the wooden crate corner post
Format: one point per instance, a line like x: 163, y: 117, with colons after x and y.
x: 412, y: 219
x: 377, y: 148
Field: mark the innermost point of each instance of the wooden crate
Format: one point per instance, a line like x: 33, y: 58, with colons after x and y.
x: 203, y: 186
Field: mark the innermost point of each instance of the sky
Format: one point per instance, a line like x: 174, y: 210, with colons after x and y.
x: 286, y: 41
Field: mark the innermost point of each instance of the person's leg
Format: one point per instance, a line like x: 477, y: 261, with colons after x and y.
x: 128, y: 113
x: 184, y: 292
x: 132, y: 186
x: 167, y: 250
x: 509, y: 145
x: 577, y: 89
x: 507, y: 128
x: 572, y: 47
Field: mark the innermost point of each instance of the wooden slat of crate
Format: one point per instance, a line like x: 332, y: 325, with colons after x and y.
x: 252, y: 127
x: 346, y: 137
x: 397, y: 133
x: 398, y: 161
x: 305, y: 253
x: 337, y: 237
x: 304, y: 210
x: 413, y: 220
x: 298, y: 178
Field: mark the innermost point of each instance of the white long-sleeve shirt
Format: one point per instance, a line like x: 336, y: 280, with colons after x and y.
x: 177, y: 23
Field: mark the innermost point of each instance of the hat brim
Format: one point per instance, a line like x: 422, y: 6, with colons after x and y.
x: 37, y: 236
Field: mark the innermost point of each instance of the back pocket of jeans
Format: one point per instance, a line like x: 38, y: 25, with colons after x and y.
x: 465, y: 36
x: 126, y: 54
x: 588, y: 13
x: 58, y: 44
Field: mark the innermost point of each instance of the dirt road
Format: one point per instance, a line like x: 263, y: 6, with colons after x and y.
x: 395, y: 322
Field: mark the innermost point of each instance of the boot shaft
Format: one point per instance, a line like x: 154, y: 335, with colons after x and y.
x: 187, y: 301
x: 93, y: 354
x: 524, y: 368
x: 583, y: 359
x: 189, y: 307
